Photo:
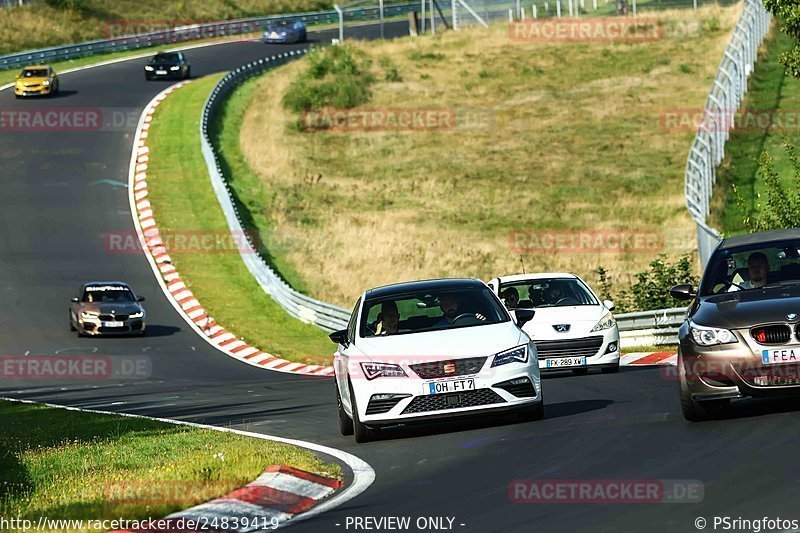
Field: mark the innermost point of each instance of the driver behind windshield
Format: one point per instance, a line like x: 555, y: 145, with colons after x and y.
x: 389, y: 319
x: 758, y: 269
x: 555, y: 292
x: 449, y: 305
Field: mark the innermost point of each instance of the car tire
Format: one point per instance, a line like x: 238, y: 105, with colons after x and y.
x: 580, y: 371
x: 345, y: 422
x: 17, y: 96
x: 188, y: 73
x: 362, y: 433
x: 530, y: 414
x: 610, y: 369
x: 55, y: 90
x: 71, y: 325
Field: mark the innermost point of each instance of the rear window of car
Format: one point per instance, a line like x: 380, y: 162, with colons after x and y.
x: 425, y: 311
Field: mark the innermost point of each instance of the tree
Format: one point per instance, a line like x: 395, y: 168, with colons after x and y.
x: 788, y: 12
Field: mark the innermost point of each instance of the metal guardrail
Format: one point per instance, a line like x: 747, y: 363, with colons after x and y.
x: 327, y: 316
x: 650, y: 328
x: 727, y: 91
x: 189, y: 33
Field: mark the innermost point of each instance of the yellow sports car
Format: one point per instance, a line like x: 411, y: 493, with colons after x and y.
x: 36, y: 80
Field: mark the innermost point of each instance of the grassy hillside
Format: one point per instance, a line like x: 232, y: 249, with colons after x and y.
x: 549, y: 137
x: 771, y: 94
x: 56, y: 22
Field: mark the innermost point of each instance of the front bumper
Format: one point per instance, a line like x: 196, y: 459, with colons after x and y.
x: 734, y: 370
x: 493, y: 392
x: 169, y: 75
x: 607, y: 354
x: 32, y: 91
x: 132, y: 326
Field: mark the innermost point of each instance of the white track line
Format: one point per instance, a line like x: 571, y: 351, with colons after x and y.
x: 363, y: 474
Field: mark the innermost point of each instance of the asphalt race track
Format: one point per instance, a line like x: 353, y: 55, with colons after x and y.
x: 63, y: 191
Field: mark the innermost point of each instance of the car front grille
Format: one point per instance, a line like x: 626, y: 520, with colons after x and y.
x: 779, y: 376
x: 440, y: 402
x: 455, y: 367
x: 585, y: 347
x: 772, y: 334
x: 113, y: 318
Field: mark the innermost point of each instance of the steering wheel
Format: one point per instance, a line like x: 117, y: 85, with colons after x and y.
x: 464, y: 315
x: 567, y: 300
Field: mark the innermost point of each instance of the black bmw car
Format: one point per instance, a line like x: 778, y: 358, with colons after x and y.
x: 168, y: 65
x: 742, y: 334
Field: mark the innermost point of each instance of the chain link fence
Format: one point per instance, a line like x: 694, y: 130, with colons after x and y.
x: 708, y: 148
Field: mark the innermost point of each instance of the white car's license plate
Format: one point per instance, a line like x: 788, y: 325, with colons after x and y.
x: 565, y: 361
x: 453, y: 385
x: 161, y: 72
x: 774, y: 357
x: 115, y: 324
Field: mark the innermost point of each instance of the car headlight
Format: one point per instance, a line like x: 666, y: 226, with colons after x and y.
x: 604, y: 323
x: 382, y: 370
x: 514, y: 355
x: 148, y: 68
x: 706, y: 336
x: 89, y: 314
x: 174, y: 67
x: 139, y: 314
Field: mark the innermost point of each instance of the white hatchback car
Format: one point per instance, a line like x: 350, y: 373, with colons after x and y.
x: 572, y: 328
x: 428, y: 349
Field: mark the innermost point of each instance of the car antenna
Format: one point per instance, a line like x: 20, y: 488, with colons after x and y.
x: 522, y: 262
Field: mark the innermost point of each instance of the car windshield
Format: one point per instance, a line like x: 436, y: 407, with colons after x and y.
x: 753, y: 267
x: 549, y: 292
x: 167, y: 58
x: 431, y: 311
x: 281, y: 24
x: 34, y: 73
x: 107, y: 294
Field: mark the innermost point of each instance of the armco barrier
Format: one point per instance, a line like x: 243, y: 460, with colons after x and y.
x: 725, y: 98
x: 636, y: 329
x: 189, y: 33
x: 327, y: 316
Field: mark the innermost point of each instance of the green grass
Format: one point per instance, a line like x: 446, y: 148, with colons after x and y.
x: 550, y: 137
x: 183, y: 200
x: 770, y: 89
x: 70, y: 465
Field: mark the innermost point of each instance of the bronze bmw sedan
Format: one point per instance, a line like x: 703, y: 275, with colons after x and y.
x: 107, y: 308
x: 742, y: 334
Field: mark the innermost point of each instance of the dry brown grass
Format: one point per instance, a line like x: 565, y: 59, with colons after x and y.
x: 574, y: 141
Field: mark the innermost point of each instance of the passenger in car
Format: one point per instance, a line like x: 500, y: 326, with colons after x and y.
x: 510, y: 297
x: 389, y: 319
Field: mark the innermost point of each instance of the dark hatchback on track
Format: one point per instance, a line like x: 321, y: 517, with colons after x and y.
x: 168, y: 65
x: 107, y: 308
x: 742, y: 334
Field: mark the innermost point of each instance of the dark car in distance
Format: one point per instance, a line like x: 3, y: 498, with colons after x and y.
x: 285, y: 31
x: 742, y: 334
x: 168, y: 65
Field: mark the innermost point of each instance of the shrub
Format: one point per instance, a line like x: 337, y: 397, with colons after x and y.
x: 651, y: 289
x: 337, y: 76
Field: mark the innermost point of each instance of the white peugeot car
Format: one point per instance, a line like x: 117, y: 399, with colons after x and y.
x: 428, y: 349
x: 572, y: 329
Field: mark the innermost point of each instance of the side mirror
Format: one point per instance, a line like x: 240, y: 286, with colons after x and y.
x: 74, y: 299
x: 140, y: 298
x: 609, y: 304
x: 523, y: 316
x: 17, y: 76
x: 682, y: 292
x: 339, y: 337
